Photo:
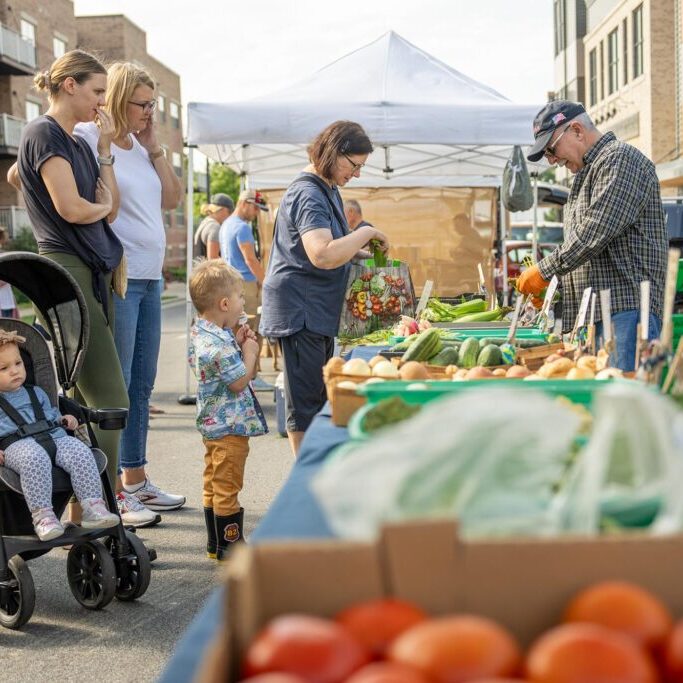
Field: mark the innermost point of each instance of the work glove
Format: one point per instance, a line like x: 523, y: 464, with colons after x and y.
x: 531, y: 282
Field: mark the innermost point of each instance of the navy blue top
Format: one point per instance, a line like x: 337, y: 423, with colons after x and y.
x: 296, y: 294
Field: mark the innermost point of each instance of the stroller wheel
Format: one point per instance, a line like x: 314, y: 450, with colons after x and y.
x: 17, y: 596
x: 133, y: 571
x: 91, y: 574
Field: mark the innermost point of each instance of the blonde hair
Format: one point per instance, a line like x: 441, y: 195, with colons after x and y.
x: 76, y: 64
x: 122, y: 79
x: 206, y: 209
x: 211, y: 281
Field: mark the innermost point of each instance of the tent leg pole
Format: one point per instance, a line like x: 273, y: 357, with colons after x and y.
x: 503, y: 247
x: 187, y: 398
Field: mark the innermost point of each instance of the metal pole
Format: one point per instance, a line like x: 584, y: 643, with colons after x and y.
x: 503, y: 246
x: 187, y: 398
x: 534, y: 228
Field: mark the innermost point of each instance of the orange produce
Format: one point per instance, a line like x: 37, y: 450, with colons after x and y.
x: 588, y: 653
x: 388, y: 672
x: 672, y: 656
x: 624, y: 607
x: 376, y: 623
x: 276, y: 678
x: 318, y: 650
x: 457, y: 649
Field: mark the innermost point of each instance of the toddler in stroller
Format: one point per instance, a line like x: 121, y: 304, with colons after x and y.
x: 32, y: 438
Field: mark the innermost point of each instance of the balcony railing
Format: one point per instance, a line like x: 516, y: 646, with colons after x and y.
x: 15, y: 219
x: 16, y: 48
x: 10, y: 131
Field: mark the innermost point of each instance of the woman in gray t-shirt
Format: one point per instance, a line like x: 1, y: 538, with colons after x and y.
x: 303, y: 291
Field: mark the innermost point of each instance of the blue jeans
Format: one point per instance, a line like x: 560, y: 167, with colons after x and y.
x: 137, y: 334
x: 625, y: 325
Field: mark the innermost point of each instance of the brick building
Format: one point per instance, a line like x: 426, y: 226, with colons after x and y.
x: 632, y: 66
x: 33, y: 33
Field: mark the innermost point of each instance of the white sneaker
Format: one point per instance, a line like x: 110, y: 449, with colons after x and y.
x: 134, y: 513
x: 96, y: 515
x: 46, y: 525
x: 154, y: 498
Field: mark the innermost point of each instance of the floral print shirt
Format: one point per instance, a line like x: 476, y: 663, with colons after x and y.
x: 216, y: 361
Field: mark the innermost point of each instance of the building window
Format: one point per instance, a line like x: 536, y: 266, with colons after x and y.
x: 177, y: 163
x: 161, y: 108
x: 613, y: 61
x: 637, y: 41
x: 602, y: 70
x: 28, y: 31
x: 560, y: 15
x: 624, y: 43
x: 175, y: 114
x: 593, y: 77
x: 58, y: 47
x: 32, y: 110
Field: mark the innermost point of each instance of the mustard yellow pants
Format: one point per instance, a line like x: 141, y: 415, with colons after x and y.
x: 224, y: 462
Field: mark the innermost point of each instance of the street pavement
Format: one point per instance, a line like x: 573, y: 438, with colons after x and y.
x: 133, y: 641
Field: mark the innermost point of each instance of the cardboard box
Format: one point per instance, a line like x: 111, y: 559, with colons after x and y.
x: 524, y: 584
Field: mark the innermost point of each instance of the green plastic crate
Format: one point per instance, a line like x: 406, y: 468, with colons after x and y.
x: 677, y: 328
x: 578, y: 391
x: 497, y: 333
x: 679, y: 279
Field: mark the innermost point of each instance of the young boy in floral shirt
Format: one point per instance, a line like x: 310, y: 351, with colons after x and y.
x: 227, y: 410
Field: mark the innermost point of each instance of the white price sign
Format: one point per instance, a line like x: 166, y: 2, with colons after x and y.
x: 583, y: 309
x: 606, y: 311
x: 645, y: 310
x: 549, y: 295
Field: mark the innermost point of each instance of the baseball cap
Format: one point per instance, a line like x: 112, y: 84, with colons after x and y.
x: 221, y: 199
x: 253, y: 197
x: 547, y: 120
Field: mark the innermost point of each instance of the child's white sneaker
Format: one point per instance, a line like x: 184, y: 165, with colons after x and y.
x: 46, y: 524
x: 96, y: 515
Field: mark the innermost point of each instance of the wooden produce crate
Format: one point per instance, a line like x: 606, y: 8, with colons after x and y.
x: 535, y: 357
x: 345, y: 402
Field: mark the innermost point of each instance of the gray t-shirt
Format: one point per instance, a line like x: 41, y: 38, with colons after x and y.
x: 207, y: 231
x: 296, y: 294
x: 95, y: 243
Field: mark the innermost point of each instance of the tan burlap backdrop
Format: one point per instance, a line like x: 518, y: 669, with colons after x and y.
x: 441, y: 233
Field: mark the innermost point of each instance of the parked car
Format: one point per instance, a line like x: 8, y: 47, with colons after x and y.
x: 673, y: 208
x: 517, y: 251
x: 547, y: 231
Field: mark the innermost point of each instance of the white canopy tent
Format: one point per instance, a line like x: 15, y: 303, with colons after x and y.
x: 430, y: 124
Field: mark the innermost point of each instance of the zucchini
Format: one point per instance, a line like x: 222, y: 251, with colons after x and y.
x: 490, y: 356
x: 447, y: 356
x: 467, y: 356
x: 427, y: 344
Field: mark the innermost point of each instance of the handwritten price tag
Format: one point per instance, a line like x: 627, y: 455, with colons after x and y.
x: 583, y: 309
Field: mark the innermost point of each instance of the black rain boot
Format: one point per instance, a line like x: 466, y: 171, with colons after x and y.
x: 210, y: 533
x: 229, y: 530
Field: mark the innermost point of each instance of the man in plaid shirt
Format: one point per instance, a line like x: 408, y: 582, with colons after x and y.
x: 614, y: 225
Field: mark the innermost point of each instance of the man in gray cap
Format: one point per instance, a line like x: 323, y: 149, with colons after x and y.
x: 206, y: 238
x: 614, y: 225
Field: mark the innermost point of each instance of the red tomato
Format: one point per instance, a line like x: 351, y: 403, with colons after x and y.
x: 624, y: 607
x: 458, y: 649
x: 673, y: 655
x: 275, y: 678
x: 388, y: 672
x: 376, y: 623
x: 588, y: 653
x: 318, y: 650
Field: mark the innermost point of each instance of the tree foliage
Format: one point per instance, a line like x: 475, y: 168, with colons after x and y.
x: 223, y: 179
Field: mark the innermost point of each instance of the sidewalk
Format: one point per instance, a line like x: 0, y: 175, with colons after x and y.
x: 133, y: 641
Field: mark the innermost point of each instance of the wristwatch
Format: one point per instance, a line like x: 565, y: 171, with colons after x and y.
x: 156, y: 155
x: 106, y: 161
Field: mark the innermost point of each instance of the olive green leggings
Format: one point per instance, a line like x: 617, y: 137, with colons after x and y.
x: 100, y: 383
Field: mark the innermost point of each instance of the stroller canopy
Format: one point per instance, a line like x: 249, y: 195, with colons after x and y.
x: 58, y: 298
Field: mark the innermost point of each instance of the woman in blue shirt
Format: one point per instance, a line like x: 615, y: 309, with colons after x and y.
x: 303, y: 292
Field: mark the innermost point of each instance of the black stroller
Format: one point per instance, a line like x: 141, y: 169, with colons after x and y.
x: 97, y: 570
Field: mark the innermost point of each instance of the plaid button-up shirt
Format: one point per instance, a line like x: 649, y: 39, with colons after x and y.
x: 614, y: 232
